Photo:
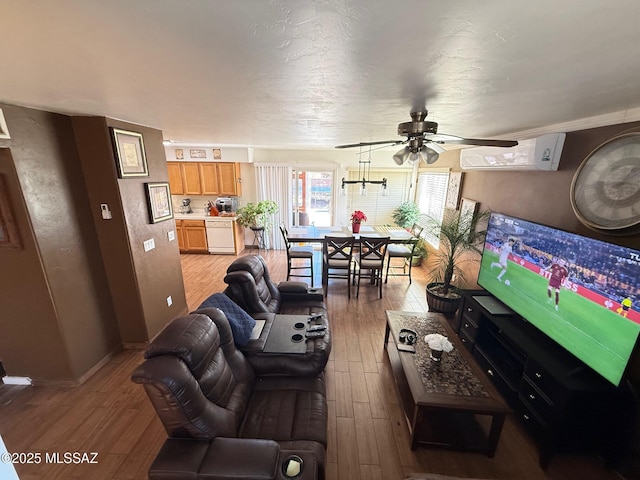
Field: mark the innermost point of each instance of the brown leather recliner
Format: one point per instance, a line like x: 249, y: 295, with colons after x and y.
x: 250, y: 286
x: 210, y: 401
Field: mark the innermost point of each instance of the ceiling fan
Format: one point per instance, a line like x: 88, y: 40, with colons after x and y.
x: 423, y: 141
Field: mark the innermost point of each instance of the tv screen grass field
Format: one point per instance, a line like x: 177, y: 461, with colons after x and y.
x: 580, y: 292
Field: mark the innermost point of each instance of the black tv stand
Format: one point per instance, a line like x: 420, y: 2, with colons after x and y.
x: 561, y: 402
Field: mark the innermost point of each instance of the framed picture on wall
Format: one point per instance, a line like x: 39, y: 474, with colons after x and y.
x: 9, y: 237
x: 159, y: 201
x: 453, y: 190
x: 4, y: 131
x: 468, y: 208
x: 217, y: 154
x: 130, y: 155
x: 197, y: 153
x: 179, y: 154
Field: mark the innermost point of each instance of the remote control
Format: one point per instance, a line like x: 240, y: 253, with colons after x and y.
x: 316, y: 334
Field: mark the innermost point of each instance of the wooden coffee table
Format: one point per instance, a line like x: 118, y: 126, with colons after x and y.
x: 451, y: 403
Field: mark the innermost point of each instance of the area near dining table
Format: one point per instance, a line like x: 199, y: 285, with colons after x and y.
x: 312, y: 233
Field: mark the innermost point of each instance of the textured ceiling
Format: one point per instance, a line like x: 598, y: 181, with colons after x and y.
x: 313, y: 73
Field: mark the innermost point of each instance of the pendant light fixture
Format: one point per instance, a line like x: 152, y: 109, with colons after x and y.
x: 364, y: 171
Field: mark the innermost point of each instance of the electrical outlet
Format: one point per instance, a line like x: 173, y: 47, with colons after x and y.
x: 171, y: 235
x: 169, y: 301
x: 149, y: 244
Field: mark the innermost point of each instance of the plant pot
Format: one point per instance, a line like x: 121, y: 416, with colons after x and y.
x: 416, y: 261
x: 442, y: 304
x: 355, y: 227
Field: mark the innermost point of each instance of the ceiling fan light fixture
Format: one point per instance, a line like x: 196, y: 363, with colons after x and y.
x: 401, y: 156
x: 430, y: 155
x: 414, y: 157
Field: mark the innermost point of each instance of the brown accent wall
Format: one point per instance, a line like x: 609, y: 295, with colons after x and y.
x: 140, y: 281
x: 57, y: 318
x: 80, y: 286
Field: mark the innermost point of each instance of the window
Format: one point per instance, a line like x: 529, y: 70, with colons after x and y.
x: 378, y: 209
x: 431, y: 196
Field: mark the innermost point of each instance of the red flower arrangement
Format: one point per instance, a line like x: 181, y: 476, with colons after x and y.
x: 358, y: 217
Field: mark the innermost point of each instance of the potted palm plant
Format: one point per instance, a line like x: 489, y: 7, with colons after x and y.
x: 461, y: 240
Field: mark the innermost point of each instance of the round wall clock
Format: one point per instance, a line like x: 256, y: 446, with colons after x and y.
x: 605, y: 192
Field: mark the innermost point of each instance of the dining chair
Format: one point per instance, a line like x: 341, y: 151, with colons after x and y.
x: 403, y: 251
x: 297, y: 252
x: 337, y: 260
x: 370, y: 259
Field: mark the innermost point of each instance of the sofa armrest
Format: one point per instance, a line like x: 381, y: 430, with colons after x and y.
x: 218, y: 459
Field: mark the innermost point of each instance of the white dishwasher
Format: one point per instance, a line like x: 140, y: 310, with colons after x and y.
x: 220, y: 236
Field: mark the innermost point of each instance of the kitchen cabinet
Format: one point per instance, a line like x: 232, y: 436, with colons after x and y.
x: 174, y: 172
x: 204, y: 178
x: 209, y: 178
x: 191, y: 178
x: 192, y: 236
x: 229, y: 178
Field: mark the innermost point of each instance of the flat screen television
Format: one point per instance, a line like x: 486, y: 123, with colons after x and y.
x: 581, y: 292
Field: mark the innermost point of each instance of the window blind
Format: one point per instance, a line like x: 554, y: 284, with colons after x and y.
x: 431, y: 196
x: 377, y: 208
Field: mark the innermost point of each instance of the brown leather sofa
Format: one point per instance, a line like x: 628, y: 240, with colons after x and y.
x: 250, y: 287
x: 224, y: 421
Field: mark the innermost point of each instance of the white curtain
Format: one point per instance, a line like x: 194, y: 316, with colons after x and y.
x: 273, y: 182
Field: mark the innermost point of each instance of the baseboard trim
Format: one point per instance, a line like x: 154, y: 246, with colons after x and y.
x: 43, y: 382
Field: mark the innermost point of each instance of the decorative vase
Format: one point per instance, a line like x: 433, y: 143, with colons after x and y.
x: 355, y: 227
x: 436, y: 355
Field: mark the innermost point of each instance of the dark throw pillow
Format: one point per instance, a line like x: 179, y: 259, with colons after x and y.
x: 240, y: 321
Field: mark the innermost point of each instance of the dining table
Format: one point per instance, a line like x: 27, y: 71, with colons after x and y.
x: 313, y: 233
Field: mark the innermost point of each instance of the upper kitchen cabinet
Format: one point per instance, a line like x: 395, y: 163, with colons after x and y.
x: 229, y: 179
x: 191, y: 178
x: 204, y: 178
x: 174, y: 171
x: 209, y: 178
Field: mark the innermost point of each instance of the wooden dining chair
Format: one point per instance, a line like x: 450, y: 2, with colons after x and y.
x: 296, y: 253
x: 370, y: 260
x: 337, y: 260
x: 403, y: 251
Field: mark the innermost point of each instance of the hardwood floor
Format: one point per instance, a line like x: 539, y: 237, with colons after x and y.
x: 368, y: 437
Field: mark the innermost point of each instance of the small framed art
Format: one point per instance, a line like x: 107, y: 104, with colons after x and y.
x: 159, y: 201
x: 454, y: 190
x: 130, y: 155
x: 197, y: 153
x: 468, y: 209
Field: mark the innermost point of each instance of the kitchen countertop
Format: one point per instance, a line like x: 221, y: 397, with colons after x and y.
x: 198, y: 216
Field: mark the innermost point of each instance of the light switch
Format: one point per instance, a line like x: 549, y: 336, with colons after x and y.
x: 169, y: 301
x: 149, y: 244
x: 171, y: 235
x: 106, y: 213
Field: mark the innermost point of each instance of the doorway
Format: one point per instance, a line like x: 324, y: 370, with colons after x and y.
x: 312, y: 193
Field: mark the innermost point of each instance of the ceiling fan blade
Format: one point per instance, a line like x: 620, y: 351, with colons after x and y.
x: 453, y: 140
x: 368, y: 144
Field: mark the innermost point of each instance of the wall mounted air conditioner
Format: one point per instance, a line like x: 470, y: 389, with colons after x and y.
x: 540, y: 153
